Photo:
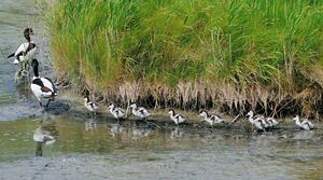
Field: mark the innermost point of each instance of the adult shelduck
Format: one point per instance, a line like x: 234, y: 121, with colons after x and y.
x: 42, y: 87
x: 117, y: 112
x: 139, y: 112
x: 26, y: 50
x: 304, y: 125
x: 211, y: 119
x: 176, y: 117
x: 90, y: 105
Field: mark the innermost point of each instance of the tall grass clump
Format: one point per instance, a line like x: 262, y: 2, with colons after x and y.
x: 237, y: 54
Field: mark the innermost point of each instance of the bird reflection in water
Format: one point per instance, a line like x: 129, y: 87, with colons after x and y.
x: 90, y: 124
x: 138, y: 132
x: 176, y: 133
x: 45, y: 134
x: 116, y: 129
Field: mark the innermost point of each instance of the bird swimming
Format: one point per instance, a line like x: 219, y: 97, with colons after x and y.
x: 139, y: 112
x: 117, y: 112
x: 257, y: 121
x: 42, y: 87
x: 90, y: 105
x: 176, y: 117
x: 304, y: 125
x: 211, y: 119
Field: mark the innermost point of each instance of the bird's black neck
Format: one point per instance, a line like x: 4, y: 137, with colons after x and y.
x: 36, y: 72
x: 27, y: 36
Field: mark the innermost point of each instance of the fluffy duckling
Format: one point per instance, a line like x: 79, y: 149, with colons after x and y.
x: 304, y: 125
x: 139, y: 112
x: 256, y: 121
x: 26, y: 50
x: 272, y: 122
x: 90, y: 105
x: 117, y: 112
x: 176, y: 117
x: 42, y: 87
x: 211, y: 119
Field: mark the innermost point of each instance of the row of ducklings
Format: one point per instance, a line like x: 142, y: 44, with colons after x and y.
x: 260, y: 122
x: 142, y: 113
x: 263, y: 123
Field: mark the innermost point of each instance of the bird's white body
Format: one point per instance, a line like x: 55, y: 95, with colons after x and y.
x: 211, y: 119
x: 23, y: 55
x: 91, y: 106
x: 117, y: 112
x: 176, y: 117
x: 39, y: 93
x: 42, y: 87
x: 139, y: 112
x: 305, y: 124
x: 256, y: 121
x: 260, y: 122
x: 272, y: 121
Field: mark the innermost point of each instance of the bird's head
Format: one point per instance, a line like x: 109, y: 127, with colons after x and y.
x: 249, y: 114
x: 296, y: 118
x: 28, y: 32
x: 133, y: 106
x: 171, y: 111
x: 203, y: 113
x: 111, y: 106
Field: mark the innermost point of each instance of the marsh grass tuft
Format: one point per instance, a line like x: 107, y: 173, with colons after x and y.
x: 238, y: 54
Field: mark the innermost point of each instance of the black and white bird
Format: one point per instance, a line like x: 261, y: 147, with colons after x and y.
x: 176, y: 117
x: 272, y: 122
x: 139, y: 112
x: 211, y: 119
x: 90, y: 105
x: 42, y: 87
x: 304, y: 125
x: 256, y: 121
x: 26, y: 50
x: 117, y: 112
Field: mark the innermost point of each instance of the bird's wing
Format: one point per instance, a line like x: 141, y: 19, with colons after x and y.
x: 143, y: 111
x: 48, y: 84
x: 22, y: 49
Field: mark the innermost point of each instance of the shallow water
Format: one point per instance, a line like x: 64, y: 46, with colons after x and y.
x: 15, y: 15
x: 98, y: 149
x: 84, y: 148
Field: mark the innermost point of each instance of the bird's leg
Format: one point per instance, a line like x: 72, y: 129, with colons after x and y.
x: 41, y: 106
x: 49, y: 100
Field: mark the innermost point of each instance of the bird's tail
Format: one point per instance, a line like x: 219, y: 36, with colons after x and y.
x: 11, y: 55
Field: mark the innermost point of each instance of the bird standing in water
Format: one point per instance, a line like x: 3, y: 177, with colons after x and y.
x: 24, y: 53
x: 42, y: 87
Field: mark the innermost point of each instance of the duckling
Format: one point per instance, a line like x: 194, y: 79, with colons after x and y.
x: 117, y: 112
x: 211, y: 119
x: 26, y: 50
x: 176, y: 117
x: 42, y: 87
x: 272, y: 122
x: 139, y: 112
x: 255, y: 121
x: 305, y: 125
x: 90, y: 105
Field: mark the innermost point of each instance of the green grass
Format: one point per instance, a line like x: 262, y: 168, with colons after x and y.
x: 270, y: 44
